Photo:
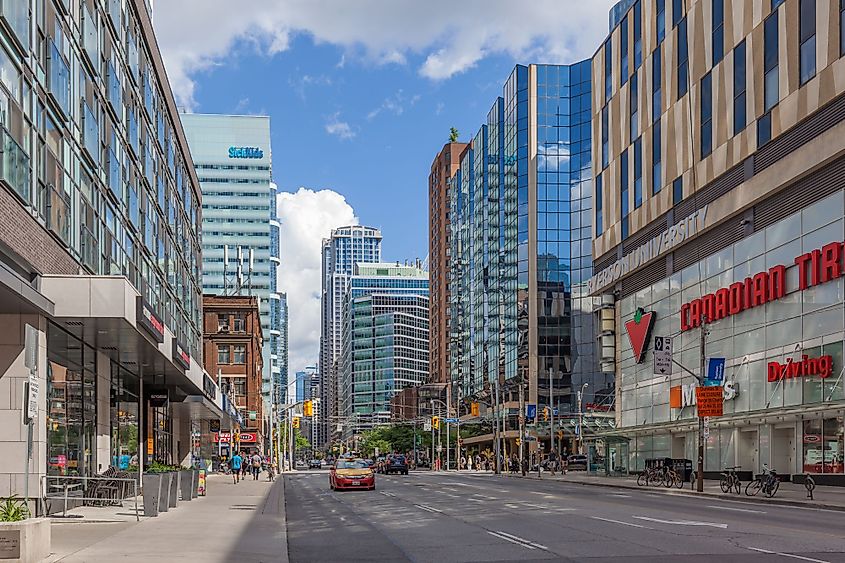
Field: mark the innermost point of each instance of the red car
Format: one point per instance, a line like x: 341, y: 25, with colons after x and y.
x: 350, y: 473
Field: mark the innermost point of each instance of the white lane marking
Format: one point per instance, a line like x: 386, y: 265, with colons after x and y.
x: 387, y: 494
x: 428, y: 508
x: 509, y: 505
x: 735, y: 509
x: 620, y: 495
x: 476, y: 499
x: 501, y: 537
x: 523, y: 541
x: 620, y: 522
x: 683, y: 522
x: 761, y: 550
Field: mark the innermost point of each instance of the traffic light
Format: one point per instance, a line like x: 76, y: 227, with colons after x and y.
x: 296, y: 422
x: 518, y: 441
x: 546, y: 414
x: 308, y: 408
x: 435, y: 422
x: 474, y: 409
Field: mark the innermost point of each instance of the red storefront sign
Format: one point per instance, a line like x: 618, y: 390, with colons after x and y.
x: 814, y: 268
x: 247, y: 437
x: 224, y: 437
x: 805, y: 367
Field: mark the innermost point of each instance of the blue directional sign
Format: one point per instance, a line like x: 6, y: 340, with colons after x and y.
x: 715, y: 371
x: 450, y: 420
x: 531, y: 411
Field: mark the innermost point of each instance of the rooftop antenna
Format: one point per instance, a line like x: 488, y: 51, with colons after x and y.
x: 251, y: 265
x: 240, y: 269
x: 225, y: 263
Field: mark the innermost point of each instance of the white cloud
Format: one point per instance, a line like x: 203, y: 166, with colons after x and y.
x: 395, y: 104
x: 307, y: 217
x: 196, y: 35
x: 338, y: 128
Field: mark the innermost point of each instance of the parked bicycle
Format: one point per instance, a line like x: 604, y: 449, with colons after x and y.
x: 672, y: 477
x: 730, y: 480
x: 810, y: 485
x: 767, y: 482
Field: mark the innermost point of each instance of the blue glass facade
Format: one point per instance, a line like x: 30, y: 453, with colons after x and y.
x: 521, y: 219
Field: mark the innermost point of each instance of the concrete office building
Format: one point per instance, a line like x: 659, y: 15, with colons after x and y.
x: 521, y: 216
x: 234, y: 164
x: 345, y: 247
x: 720, y: 152
x: 384, y: 342
x: 100, y: 256
x: 443, y: 168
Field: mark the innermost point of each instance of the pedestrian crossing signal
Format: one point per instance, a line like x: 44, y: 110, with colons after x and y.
x: 435, y: 422
x: 474, y: 409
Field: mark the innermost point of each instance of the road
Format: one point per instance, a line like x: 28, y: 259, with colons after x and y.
x: 480, y: 517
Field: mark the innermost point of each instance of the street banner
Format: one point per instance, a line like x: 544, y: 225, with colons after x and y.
x: 530, y: 412
x: 715, y: 371
x: 709, y: 401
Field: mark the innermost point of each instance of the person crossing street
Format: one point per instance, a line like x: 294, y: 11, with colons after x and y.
x: 236, y: 463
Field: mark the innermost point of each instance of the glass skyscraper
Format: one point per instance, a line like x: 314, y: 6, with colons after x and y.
x: 521, y: 242
x: 346, y: 247
x: 241, y: 247
x: 385, y: 344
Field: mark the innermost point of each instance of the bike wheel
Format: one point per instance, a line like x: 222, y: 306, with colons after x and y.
x: 773, y: 489
x: 752, y: 488
x: 679, y: 481
x: 725, y: 484
x: 642, y: 480
x: 737, y: 485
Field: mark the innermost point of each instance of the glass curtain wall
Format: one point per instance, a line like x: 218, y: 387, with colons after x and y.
x: 72, y: 405
x: 125, y: 390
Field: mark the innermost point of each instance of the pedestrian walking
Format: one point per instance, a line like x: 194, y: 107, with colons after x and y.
x: 463, y: 463
x: 477, y: 462
x: 552, y: 462
x: 236, y: 463
x: 256, y: 466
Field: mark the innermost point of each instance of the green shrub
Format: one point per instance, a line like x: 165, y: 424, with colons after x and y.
x: 13, y: 509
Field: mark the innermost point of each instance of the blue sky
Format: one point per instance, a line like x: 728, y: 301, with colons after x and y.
x: 397, y: 120
x: 361, y: 94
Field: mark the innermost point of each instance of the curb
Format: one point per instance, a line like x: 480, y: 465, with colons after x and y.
x: 693, y: 494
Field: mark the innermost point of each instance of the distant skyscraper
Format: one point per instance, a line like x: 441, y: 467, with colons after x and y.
x: 385, y: 342
x: 239, y: 224
x: 345, y: 247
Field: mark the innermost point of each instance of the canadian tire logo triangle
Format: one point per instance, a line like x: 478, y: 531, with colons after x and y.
x: 638, y: 330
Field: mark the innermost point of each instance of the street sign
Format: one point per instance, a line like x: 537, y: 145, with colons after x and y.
x: 427, y: 425
x: 33, y: 389
x: 715, y: 371
x: 450, y: 420
x: 709, y: 401
x: 662, y: 355
x: 706, y: 426
x: 531, y: 411
x: 439, y: 448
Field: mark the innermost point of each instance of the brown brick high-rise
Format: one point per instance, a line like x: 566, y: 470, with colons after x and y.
x: 445, y: 164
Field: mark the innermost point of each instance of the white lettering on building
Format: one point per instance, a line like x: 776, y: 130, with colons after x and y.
x: 660, y: 244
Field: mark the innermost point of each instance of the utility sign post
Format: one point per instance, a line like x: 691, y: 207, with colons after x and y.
x: 33, y: 388
x: 662, y: 355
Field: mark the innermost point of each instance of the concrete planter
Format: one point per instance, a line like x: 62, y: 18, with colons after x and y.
x: 164, y: 498
x: 28, y: 541
x: 195, y: 483
x: 186, y: 480
x: 151, y: 483
x: 174, y: 489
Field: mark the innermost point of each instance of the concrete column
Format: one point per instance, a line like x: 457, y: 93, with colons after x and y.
x: 13, y: 433
x: 103, y: 412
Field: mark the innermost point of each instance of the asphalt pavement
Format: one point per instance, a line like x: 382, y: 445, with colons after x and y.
x: 481, y: 517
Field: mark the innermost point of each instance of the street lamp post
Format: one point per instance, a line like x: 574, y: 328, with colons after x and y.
x: 581, y: 418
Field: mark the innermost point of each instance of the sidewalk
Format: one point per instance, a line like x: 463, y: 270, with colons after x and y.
x: 243, y: 522
x: 832, y: 498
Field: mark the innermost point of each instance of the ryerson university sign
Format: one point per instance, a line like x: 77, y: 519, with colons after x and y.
x: 662, y: 243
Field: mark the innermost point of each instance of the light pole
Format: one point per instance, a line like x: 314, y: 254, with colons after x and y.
x: 581, y: 418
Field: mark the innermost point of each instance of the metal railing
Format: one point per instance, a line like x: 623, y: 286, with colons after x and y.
x: 92, y: 491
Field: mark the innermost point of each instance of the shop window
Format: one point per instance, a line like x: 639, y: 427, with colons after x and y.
x: 124, y: 419
x: 223, y: 355
x: 239, y: 355
x: 823, y: 445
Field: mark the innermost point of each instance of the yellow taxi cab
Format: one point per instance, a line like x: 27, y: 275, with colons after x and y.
x: 351, y: 473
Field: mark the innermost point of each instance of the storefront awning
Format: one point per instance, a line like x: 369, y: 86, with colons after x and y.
x: 19, y: 297
x: 107, y: 313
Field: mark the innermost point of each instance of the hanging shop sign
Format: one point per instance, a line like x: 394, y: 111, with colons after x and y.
x: 805, y: 367
x: 247, y: 437
x: 209, y: 387
x: 148, y: 320
x: 659, y: 245
x: 180, y: 355
x: 223, y: 437
x: 639, y: 329
x: 814, y: 268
